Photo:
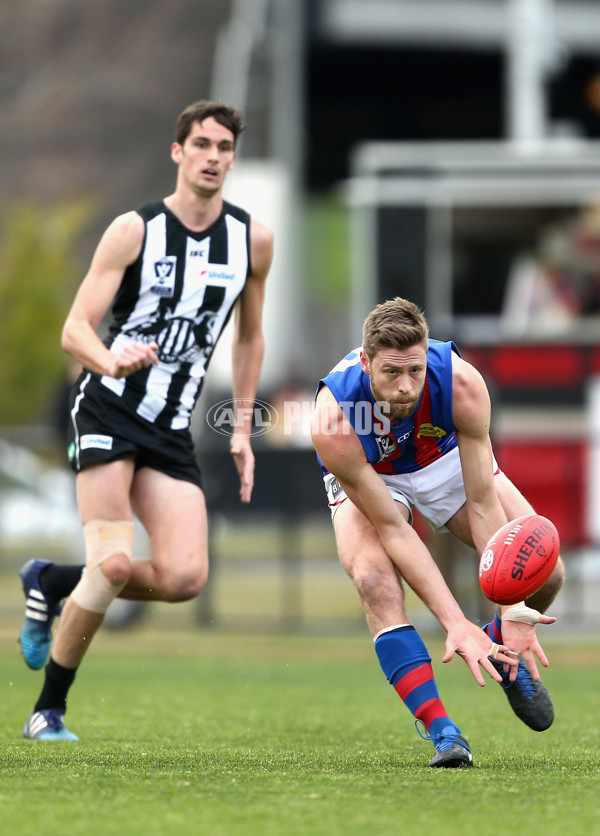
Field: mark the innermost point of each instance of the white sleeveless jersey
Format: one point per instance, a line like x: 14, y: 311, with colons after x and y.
x: 179, y: 293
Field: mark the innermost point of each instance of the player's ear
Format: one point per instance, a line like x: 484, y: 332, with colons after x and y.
x: 364, y: 362
x: 176, y: 152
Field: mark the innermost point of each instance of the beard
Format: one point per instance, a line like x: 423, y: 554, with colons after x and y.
x: 396, y: 412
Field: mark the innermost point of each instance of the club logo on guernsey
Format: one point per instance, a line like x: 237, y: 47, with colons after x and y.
x: 164, y: 270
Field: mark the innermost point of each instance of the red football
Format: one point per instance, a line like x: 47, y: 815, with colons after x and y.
x: 518, y: 559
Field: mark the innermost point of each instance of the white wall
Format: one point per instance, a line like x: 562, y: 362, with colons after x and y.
x: 264, y: 188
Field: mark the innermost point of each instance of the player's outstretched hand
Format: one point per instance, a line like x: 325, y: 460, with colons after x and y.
x: 132, y: 358
x: 521, y: 638
x: 469, y: 642
x: 243, y: 457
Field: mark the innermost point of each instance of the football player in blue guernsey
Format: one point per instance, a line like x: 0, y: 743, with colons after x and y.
x: 403, y: 423
x: 173, y: 271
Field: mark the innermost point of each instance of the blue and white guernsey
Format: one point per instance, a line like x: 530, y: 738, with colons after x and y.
x: 179, y: 293
x: 413, y: 442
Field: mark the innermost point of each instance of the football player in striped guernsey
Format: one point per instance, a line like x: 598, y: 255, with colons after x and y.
x: 171, y: 273
x: 401, y: 423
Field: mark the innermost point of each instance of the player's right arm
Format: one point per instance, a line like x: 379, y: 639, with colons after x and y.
x: 118, y: 248
x: 341, y: 452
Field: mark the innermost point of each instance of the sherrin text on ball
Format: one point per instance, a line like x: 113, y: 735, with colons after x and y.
x: 518, y: 559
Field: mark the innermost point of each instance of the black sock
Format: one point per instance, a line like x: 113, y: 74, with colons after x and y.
x: 56, y: 687
x: 57, y: 582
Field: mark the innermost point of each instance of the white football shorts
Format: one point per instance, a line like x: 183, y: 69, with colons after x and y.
x: 436, y: 491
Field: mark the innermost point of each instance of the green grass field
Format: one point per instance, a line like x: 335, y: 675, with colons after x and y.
x: 193, y: 732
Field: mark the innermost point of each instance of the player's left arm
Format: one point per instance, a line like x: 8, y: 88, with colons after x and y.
x: 471, y: 410
x: 472, y: 414
x: 248, y: 351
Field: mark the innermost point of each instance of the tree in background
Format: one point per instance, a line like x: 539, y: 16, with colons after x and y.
x: 39, y: 274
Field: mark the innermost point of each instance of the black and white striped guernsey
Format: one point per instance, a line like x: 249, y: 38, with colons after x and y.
x: 179, y: 293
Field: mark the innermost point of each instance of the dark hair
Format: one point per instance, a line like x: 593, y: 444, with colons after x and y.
x: 224, y: 114
x: 396, y: 323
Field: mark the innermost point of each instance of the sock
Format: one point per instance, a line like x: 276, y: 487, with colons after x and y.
x: 494, y: 629
x: 406, y: 663
x: 57, y: 582
x: 56, y: 687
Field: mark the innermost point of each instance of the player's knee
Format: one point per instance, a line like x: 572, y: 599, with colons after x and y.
x: 185, y: 585
x: 369, y: 581
x: 557, y: 578
x: 109, y: 549
x: 546, y: 594
x: 117, y: 570
x: 192, y: 584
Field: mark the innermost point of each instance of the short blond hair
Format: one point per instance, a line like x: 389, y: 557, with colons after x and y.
x: 396, y: 323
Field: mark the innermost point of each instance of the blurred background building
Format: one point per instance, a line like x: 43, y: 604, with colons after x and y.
x: 446, y: 150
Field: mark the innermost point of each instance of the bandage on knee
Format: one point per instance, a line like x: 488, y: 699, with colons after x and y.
x: 103, y: 539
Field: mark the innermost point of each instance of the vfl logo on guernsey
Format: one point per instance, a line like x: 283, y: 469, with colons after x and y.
x: 386, y: 445
x: 164, y: 270
x: 429, y: 431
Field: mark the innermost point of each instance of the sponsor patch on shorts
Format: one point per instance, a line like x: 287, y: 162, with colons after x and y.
x: 102, y: 442
x: 335, y: 492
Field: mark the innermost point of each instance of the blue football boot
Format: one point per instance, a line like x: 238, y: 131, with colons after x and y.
x: 529, y: 700
x: 451, y: 748
x: 47, y: 725
x: 40, y: 611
